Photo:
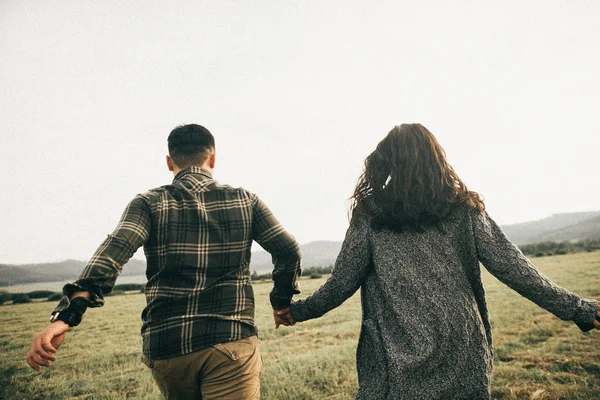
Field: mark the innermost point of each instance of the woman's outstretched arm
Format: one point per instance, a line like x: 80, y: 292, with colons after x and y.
x: 351, y: 267
x: 507, y: 263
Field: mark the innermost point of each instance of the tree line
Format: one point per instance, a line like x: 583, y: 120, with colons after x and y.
x: 543, y: 249
x: 49, y: 295
x: 558, y: 248
x: 311, y: 272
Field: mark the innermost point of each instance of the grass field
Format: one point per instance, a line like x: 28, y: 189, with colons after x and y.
x: 537, y: 356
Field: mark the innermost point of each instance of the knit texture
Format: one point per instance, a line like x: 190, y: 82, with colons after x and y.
x: 425, y: 328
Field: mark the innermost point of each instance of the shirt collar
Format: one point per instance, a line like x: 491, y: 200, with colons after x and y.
x: 192, y: 170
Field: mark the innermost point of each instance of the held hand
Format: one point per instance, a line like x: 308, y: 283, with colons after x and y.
x: 279, y: 320
x: 45, y: 344
x: 283, y: 317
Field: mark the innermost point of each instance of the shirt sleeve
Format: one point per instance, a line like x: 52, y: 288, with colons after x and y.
x: 284, y: 250
x: 98, y: 277
x: 351, y: 267
x: 506, y: 262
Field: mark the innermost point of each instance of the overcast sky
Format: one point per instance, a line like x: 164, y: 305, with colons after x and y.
x: 297, y: 94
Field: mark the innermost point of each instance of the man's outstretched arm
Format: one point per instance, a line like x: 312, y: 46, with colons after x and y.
x: 97, y: 279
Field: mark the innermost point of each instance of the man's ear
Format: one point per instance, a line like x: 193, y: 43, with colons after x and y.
x: 170, y: 163
x: 211, y: 160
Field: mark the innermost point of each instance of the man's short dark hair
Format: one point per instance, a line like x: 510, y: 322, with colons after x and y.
x: 190, y: 145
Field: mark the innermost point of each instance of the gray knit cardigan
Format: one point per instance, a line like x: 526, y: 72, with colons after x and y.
x: 425, y: 330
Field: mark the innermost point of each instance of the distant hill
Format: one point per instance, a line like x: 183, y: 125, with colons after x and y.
x: 320, y: 253
x: 558, y: 227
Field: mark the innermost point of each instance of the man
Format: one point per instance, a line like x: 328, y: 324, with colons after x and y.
x: 199, y: 337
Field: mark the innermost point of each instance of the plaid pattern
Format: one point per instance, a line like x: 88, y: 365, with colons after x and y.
x: 197, y: 236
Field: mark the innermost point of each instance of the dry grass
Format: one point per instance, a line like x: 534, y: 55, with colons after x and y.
x: 537, y: 355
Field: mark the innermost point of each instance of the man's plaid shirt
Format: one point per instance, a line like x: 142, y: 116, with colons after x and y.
x: 197, y: 236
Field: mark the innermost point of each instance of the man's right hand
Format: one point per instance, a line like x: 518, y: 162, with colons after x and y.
x: 45, y: 344
x: 283, y: 317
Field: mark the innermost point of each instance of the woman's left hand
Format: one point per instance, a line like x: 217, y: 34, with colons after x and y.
x: 283, y: 317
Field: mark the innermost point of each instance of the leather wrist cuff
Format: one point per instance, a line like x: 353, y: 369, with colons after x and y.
x: 73, y: 314
x: 279, y: 302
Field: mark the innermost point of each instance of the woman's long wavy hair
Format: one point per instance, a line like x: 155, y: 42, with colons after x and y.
x: 408, y: 184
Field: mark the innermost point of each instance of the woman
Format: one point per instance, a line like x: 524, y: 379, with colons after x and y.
x: 414, y: 246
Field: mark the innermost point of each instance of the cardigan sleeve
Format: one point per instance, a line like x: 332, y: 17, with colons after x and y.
x: 506, y: 262
x: 351, y: 267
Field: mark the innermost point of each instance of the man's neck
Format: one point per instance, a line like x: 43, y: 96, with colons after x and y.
x: 176, y: 169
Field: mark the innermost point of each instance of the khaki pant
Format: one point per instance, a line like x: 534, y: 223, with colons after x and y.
x: 224, y: 371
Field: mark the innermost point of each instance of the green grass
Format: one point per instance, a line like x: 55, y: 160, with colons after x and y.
x: 537, y: 356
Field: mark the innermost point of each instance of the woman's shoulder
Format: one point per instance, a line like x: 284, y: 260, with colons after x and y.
x: 361, y: 218
x: 461, y: 212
